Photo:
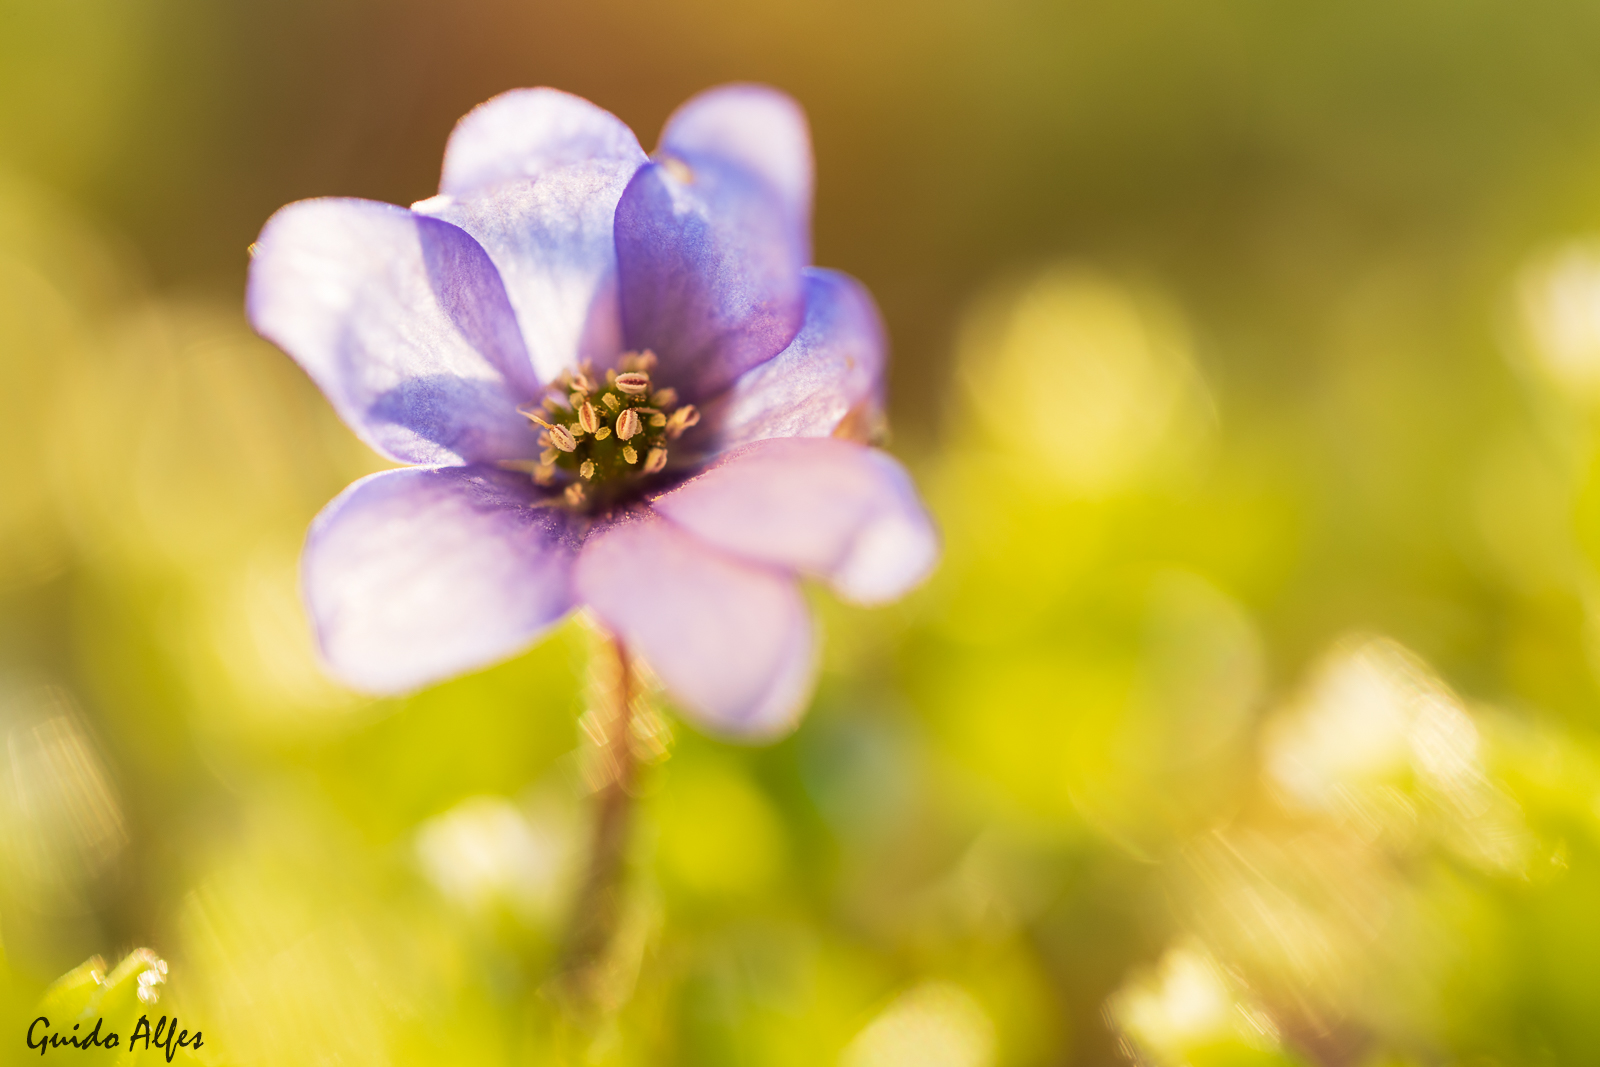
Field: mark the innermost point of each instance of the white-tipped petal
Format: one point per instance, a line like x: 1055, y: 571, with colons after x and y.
x: 822, y: 506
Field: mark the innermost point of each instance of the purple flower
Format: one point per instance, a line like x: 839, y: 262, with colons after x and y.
x: 619, y: 384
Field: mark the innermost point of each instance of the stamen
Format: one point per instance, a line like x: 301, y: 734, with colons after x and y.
x: 682, y: 419
x: 633, y: 383
x: 588, y: 418
x: 562, y: 438
x: 623, y: 405
x: 641, y: 361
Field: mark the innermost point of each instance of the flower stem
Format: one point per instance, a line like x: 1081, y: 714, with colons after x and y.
x: 600, y: 898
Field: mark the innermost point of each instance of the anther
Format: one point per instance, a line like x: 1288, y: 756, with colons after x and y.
x: 576, y: 399
x: 665, y: 398
x: 658, y: 420
x: 644, y: 361
x: 562, y: 438
x: 548, y: 456
x: 544, y: 474
x: 602, y: 433
x: 575, y: 494
x: 611, y: 401
x: 588, y: 418
x: 628, y: 425
x: 633, y: 383
x: 581, y: 382
x: 630, y: 454
x: 655, y: 460
x: 587, y: 470
x: 682, y: 419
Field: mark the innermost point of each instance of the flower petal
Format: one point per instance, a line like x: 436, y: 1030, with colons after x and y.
x: 525, y: 132
x: 755, y: 127
x: 404, y: 324
x: 732, y: 642
x: 823, y: 506
x: 411, y: 576
x: 833, y: 370
x: 551, y: 238
x: 709, y: 262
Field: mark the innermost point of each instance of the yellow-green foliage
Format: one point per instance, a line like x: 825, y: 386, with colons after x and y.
x: 1248, y: 355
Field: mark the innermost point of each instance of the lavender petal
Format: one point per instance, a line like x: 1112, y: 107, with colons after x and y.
x: 412, y: 576
x: 833, y: 370
x: 709, y: 263
x: 754, y: 127
x: 402, y: 321
x: 526, y: 132
x: 551, y: 238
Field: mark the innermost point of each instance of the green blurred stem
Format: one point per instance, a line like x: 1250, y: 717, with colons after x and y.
x: 599, y: 906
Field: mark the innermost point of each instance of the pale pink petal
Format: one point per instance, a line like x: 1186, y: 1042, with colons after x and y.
x: 823, y: 506
x: 731, y: 641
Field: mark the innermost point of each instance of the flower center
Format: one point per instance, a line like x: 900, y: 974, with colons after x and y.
x: 602, y: 438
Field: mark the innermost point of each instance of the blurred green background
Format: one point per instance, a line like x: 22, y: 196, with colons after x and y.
x: 1250, y: 718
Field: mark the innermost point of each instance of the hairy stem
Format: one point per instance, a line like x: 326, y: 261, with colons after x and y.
x: 599, y: 905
